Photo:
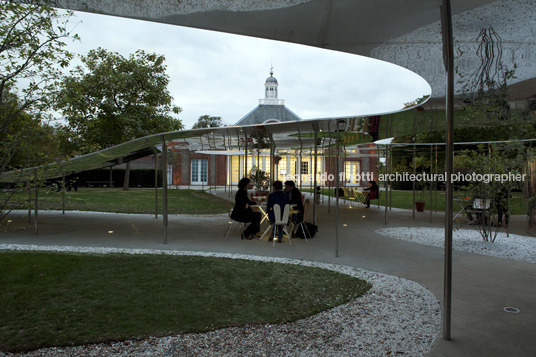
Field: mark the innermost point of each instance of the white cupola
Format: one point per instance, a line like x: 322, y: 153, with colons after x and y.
x: 270, y: 91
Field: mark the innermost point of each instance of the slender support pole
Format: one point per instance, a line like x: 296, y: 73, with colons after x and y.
x: 386, y: 181
x: 391, y: 185
x: 414, y: 159
x: 435, y: 183
x: 299, y: 166
x: 337, y: 196
x: 315, y: 198
x: 231, y: 172
x: 377, y: 166
x: 431, y: 183
x: 164, y: 186
x: 36, y: 208
x: 63, y: 195
x: 246, y: 153
x: 155, y: 185
x: 29, y: 186
x: 448, y: 57
x: 330, y: 165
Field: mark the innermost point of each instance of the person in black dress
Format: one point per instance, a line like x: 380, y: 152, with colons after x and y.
x: 243, y: 213
x: 373, y: 192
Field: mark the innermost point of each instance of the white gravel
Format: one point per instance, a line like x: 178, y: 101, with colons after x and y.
x: 469, y: 240
x: 396, y: 316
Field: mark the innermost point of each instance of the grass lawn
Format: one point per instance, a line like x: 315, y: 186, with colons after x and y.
x: 404, y: 199
x: 70, y: 299
x: 136, y: 200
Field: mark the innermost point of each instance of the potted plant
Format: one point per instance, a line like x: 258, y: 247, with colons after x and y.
x: 420, y: 197
x: 260, y: 181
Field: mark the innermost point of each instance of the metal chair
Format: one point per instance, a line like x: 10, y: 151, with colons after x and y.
x: 302, y: 225
x: 242, y: 225
x: 352, y: 195
x: 281, y: 221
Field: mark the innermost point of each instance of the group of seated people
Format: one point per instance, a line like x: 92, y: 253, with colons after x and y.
x: 289, y: 194
x: 242, y: 211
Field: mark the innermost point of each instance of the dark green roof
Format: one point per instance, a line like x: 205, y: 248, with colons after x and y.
x: 272, y: 113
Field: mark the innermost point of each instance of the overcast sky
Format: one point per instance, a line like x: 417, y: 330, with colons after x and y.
x: 223, y: 75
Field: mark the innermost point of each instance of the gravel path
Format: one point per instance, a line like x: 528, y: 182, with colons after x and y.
x: 396, y: 316
x: 469, y: 240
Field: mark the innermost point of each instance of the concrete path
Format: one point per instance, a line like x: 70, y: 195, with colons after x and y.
x: 482, y: 285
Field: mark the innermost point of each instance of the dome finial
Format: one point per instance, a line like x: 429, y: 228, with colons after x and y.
x: 271, y: 70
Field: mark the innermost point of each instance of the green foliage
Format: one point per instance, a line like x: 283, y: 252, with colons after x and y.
x: 416, y: 102
x: 259, y: 179
x: 32, y: 55
x: 206, y: 121
x: 72, y: 299
x: 110, y: 99
x: 490, y: 160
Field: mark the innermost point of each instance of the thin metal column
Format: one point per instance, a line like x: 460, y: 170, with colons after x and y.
x: 337, y: 197
x: 315, y: 198
x: 391, y: 184
x: 329, y: 168
x: 448, y: 58
x: 63, y: 195
x: 155, y: 184
x: 246, y: 153
x: 377, y: 167
x: 414, y: 159
x: 299, y: 165
x: 273, y: 170
x: 231, y: 172
x: 36, y: 208
x: 386, y: 181
x: 29, y: 187
x: 432, y: 168
x: 164, y: 187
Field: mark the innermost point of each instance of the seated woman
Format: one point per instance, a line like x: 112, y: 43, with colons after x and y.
x: 373, y: 192
x: 243, y: 213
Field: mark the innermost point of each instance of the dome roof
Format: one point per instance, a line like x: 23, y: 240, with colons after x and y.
x: 271, y: 79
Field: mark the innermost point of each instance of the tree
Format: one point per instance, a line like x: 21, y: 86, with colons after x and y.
x: 110, y: 99
x: 488, y: 164
x: 206, y: 121
x: 32, y: 54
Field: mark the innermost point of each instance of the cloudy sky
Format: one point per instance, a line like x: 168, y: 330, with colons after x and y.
x: 223, y: 75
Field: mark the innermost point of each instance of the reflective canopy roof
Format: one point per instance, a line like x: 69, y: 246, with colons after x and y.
x: 403, y: 32
x: 284, y: 137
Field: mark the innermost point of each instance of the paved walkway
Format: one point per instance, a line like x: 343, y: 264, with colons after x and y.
x: 482, y: 285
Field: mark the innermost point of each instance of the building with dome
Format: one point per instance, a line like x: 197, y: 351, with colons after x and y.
x: 196, y: 163
x: 201, y: 168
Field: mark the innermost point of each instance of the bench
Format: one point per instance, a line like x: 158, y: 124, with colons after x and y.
x: 98, y: 183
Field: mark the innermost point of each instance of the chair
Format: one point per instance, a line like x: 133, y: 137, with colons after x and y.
x: 351, y: 196
x: 302, y: 223
x: 281, y: 220
x: 372, y: 195
x: 242, y: 225
x: 481, y: 209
